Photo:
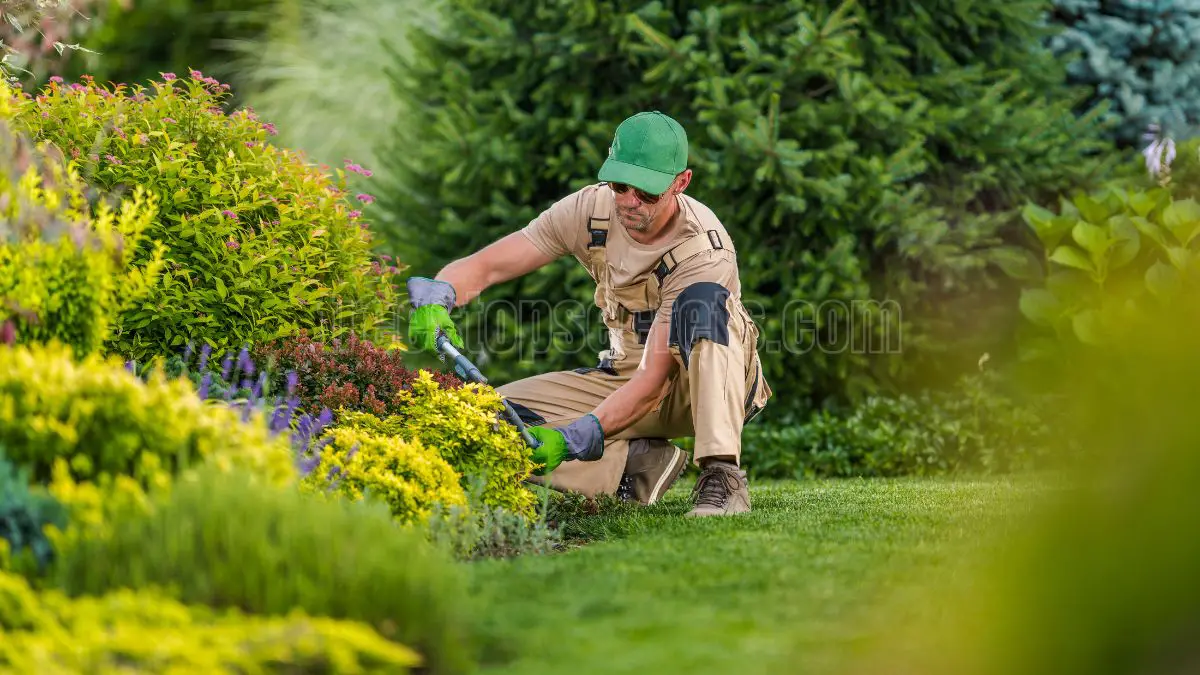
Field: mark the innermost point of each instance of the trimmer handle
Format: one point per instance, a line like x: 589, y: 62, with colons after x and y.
x: 468, y: 371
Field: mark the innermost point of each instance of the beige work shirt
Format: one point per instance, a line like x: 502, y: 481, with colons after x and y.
x: 562, y: 229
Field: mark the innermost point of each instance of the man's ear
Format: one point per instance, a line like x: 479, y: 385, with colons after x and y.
x: 682, y: 180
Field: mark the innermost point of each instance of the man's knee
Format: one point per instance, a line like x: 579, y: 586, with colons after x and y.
x: 699, y: 313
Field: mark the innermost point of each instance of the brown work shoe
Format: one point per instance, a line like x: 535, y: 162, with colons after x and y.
x: 720, y: 491
x: 652, y: 468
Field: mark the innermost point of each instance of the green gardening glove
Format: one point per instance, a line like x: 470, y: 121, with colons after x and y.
x: 432, y: 301
x: 581, y: 440
x: 552, y: 450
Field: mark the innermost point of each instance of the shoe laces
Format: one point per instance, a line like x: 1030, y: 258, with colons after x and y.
x: 625, y: 489
x: 713, y: 487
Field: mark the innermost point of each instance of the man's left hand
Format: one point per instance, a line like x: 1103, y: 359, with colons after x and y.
x: 581, y: 440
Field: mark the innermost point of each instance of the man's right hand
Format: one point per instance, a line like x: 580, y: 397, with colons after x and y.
x: 432, y: 301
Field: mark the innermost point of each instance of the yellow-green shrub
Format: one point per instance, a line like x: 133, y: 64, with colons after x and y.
x: 405, y: 474
x: 65, y: 274
x: 260, y: 243
x: 102, y: 419
x: 143, y: 631
x: 463, y: 426
x: 224, y: 540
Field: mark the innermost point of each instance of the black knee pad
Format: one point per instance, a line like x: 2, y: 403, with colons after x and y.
x: 699, y: 313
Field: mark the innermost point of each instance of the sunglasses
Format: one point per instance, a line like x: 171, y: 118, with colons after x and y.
x: 645, y: 197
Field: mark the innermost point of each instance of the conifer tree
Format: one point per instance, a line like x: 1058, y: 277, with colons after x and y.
x: 1143, y: 56
x: 866, y: 159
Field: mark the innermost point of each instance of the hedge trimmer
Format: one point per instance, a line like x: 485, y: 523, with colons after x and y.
x: 469, y: 372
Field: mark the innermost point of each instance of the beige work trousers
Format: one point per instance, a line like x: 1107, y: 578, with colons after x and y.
x: 709, y: 399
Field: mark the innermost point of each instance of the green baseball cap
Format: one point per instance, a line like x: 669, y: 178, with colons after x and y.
x: 647, y: 152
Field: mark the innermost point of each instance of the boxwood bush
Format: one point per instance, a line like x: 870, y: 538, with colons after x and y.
x: 976, y: 426
x: 259, y: 243
x: 410, y: 477
x: 463, y: 426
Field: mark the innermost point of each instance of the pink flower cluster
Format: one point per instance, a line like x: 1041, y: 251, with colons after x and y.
x: 350, y: 166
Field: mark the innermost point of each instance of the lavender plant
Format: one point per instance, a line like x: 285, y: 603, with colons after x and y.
x: 242, y: 385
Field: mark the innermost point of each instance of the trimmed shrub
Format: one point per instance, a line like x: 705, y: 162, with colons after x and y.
x: 101, y: 419
x: 406, y: 475
x: 144, y: 631
x: 1141, y: 58
x: 223, y: 541
x: 259, y: 244
x: 65, y: 275
x: 463, y: 426
x: 973, y: 427
x: 351, y: 374
x: 866, y: 157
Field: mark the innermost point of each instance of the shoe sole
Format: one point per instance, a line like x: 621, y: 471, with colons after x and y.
x: 665, y: 481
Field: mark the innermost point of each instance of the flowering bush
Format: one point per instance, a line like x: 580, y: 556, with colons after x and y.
x: 100, y: 419
x: 463, y: 426
x: 409, y: 477
x: 147, y: 631
x: 63, y: 274
x: 259, y: 244
x: 353, y: 373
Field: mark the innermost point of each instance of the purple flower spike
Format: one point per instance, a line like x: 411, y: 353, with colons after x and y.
x: 307, y: 464
x: 187, y: 352
x: 292, y: 380
x: 204, y: 384
x: 204, y: 352
x: 325, y: 417
x: 226, y: 365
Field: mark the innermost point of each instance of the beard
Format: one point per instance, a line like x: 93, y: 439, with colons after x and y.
x: 632, y: 220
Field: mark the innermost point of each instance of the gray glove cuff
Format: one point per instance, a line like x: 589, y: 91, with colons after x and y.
x: 585, y: 438
x: 424, y: 291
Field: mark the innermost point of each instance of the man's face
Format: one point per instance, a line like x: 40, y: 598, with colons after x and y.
x: 633, y: 213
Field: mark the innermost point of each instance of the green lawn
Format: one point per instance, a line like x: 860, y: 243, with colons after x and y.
x: 794, y: 586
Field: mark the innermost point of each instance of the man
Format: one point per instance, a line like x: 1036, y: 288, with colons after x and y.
x: 682, y: 359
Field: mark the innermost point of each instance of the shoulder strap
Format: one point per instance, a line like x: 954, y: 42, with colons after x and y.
x: 709, y: 240
x: 598, y: 223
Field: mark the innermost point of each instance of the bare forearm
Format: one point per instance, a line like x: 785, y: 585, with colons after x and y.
x: 628, y: 404
x: 468, y: 278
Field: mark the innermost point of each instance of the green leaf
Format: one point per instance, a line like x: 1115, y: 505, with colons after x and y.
x: 1150, y: 229
x: 1018, y: 263
x: 1180, y: 257
x: 1182, y: 218
x: 1049, y: 228
x: 1092, y: 210
x: 1040, y: 306
x: 1163, y: 280
x: 1072, y: 257
x: 1142, y: 203
x: 1088, y: 327
x: 1126, y: 241
x: 221, y: 290
x: 1093, y: 238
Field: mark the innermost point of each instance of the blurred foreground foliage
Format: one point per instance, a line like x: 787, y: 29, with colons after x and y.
x: 1101, y: 577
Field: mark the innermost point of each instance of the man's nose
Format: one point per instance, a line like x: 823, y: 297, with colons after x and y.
x: 628, y: 200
